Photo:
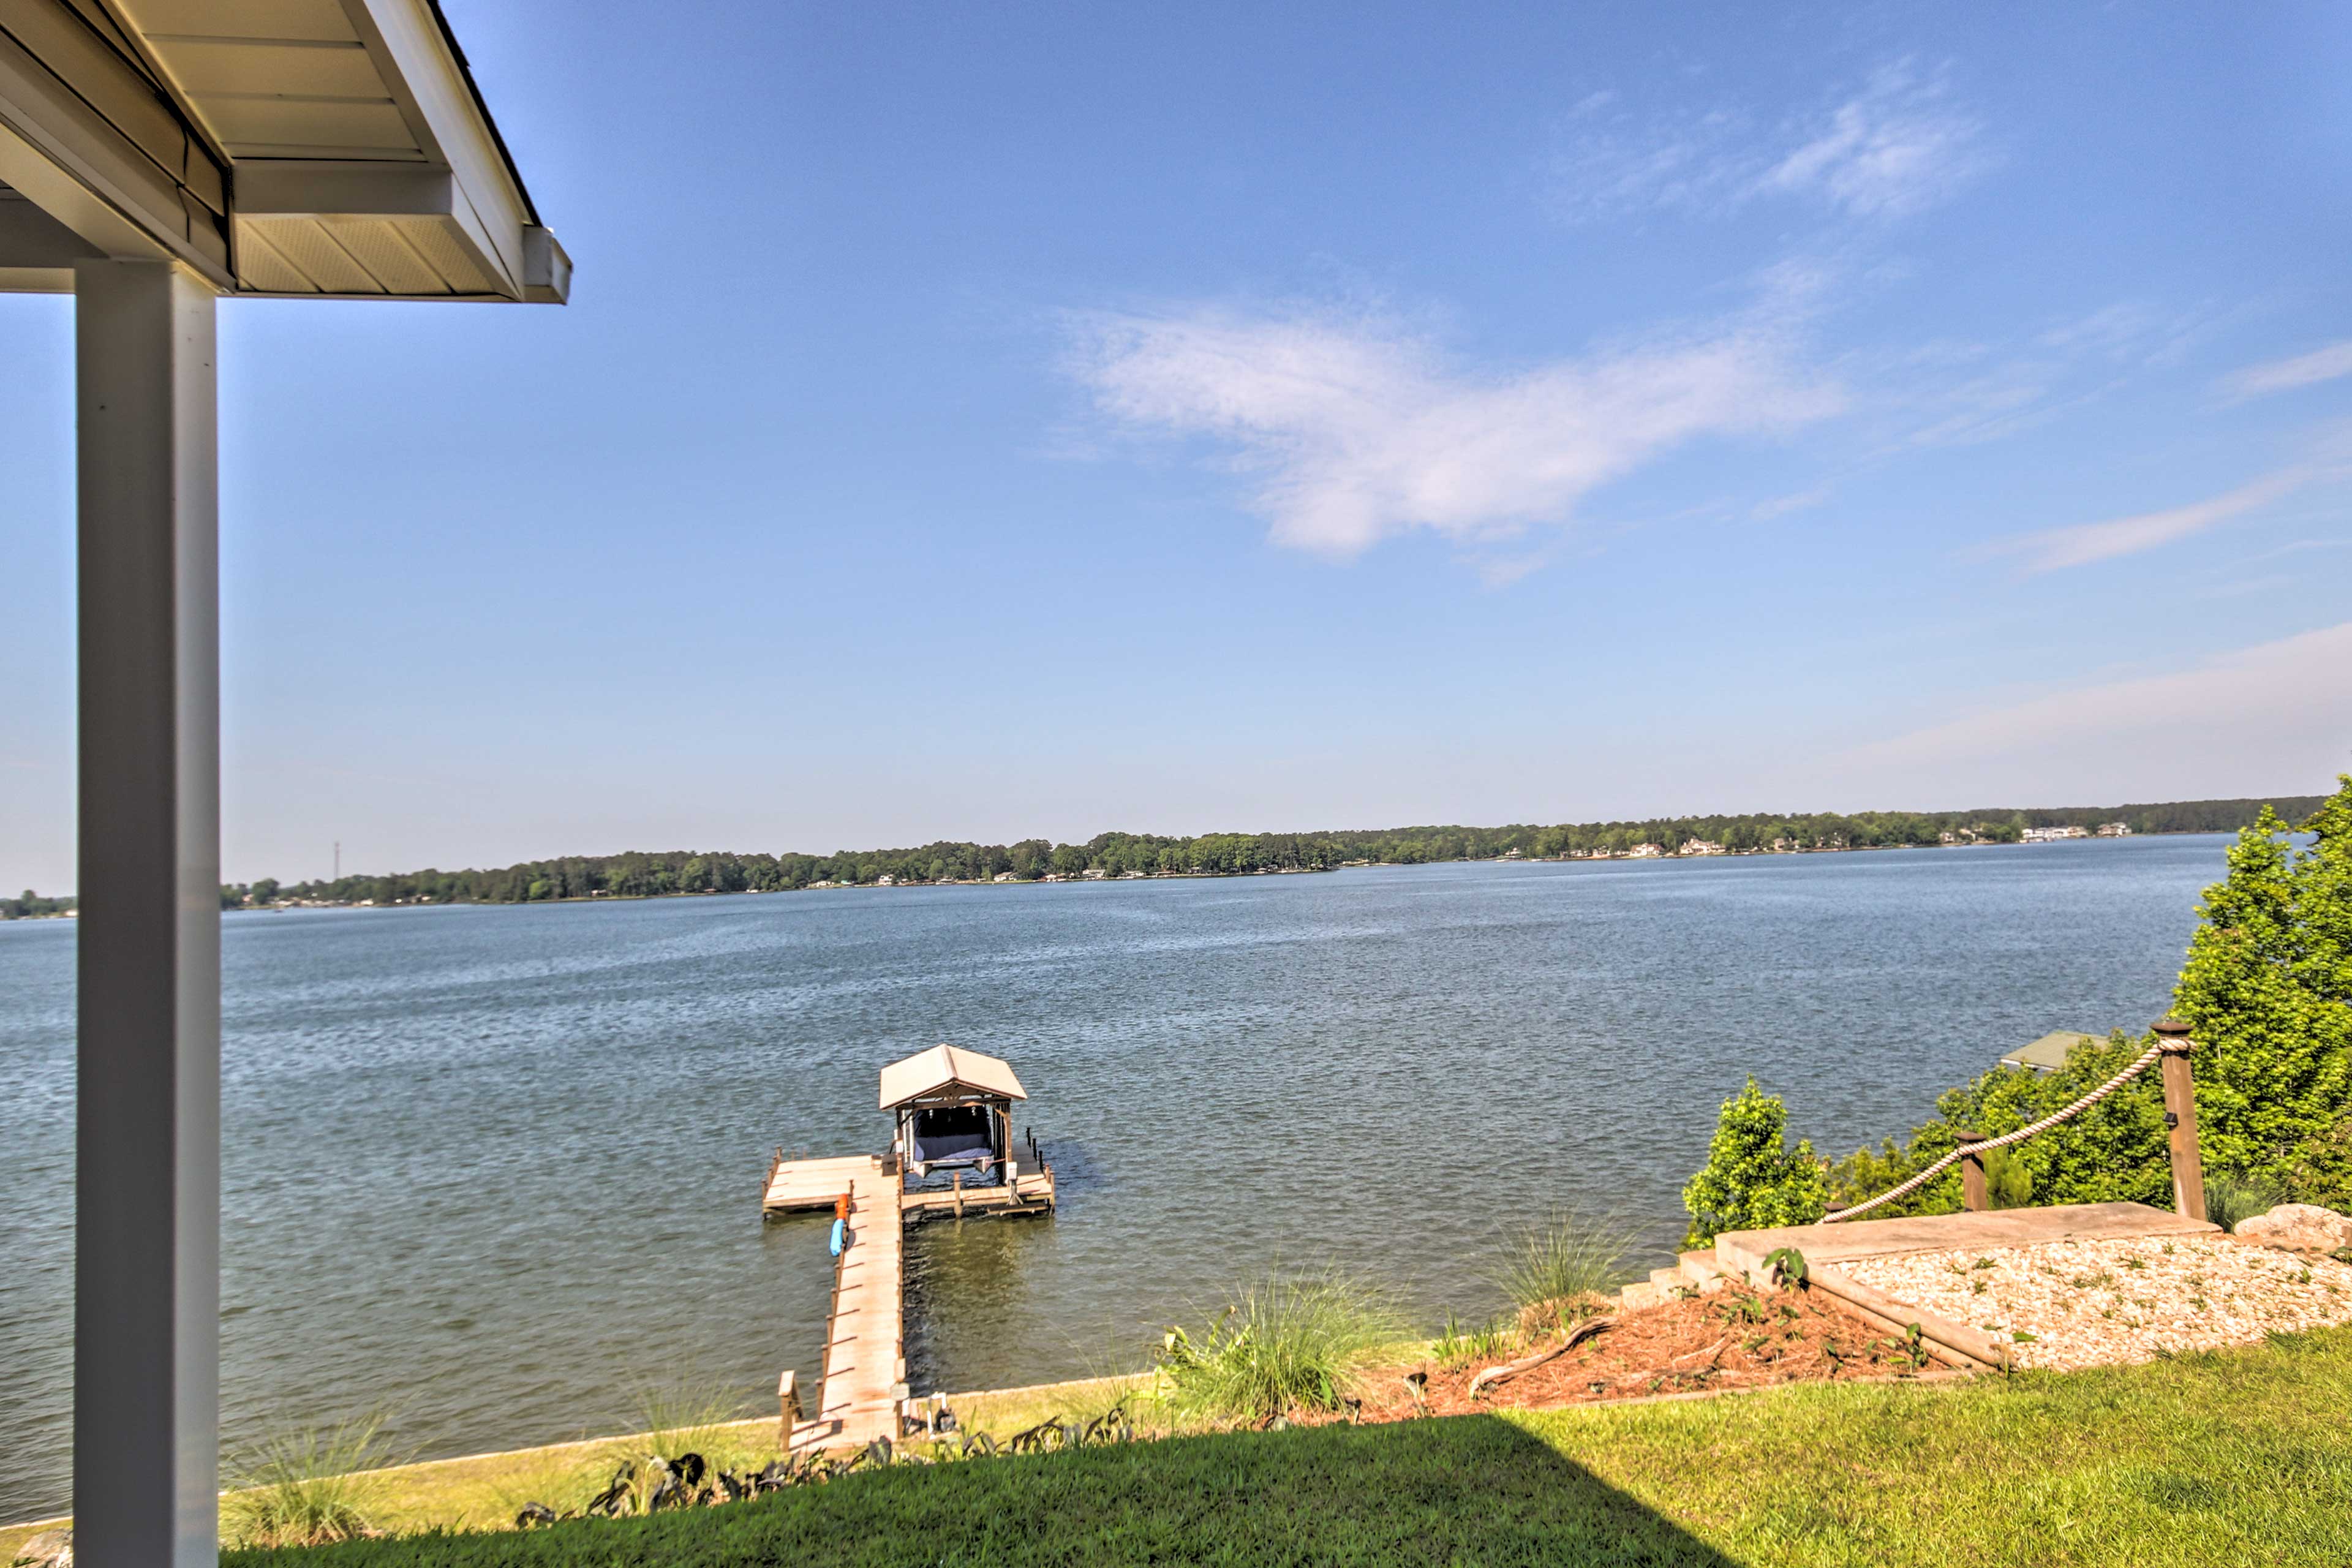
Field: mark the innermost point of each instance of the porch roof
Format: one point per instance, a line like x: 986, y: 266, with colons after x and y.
x: 300, y: 148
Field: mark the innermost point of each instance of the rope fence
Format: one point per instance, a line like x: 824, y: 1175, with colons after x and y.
x: 2165, y: 1047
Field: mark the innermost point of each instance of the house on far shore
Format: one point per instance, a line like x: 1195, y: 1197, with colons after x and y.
x: 2052, y: 835
x: 2114, y: 830
x: 1644, y: 852
x: 1700, y: 847
x: 2048, y: 1054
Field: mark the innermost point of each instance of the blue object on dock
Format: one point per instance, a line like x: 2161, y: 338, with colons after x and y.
x: 840, y: 1236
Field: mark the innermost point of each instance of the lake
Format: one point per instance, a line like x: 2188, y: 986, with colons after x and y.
x: 495, y: 1168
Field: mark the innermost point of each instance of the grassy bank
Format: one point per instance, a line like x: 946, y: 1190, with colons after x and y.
x: 2238, y: 1457
x: 484, y: 1491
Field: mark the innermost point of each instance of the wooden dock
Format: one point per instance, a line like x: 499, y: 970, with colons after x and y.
x: 865, y: 1336
x: 865, y: 1331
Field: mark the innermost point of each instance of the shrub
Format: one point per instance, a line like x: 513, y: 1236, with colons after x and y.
x: 309, y: 1487
x: 1282, y: 1344
x: 1751, y: 1180
x: 2267, y: 991
x: 1558, y: 1269
x: 2321, y: 1171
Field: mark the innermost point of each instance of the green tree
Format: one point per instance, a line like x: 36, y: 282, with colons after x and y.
x: 2267, y: 992
x: 1752, y: 1179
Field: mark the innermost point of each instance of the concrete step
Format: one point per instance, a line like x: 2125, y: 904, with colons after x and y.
x: 1642, y: 1293
x: 1703, y: 1272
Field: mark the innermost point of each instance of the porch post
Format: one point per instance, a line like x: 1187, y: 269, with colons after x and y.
x: 147, y: 1103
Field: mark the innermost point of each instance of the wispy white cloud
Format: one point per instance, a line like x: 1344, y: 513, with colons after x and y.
x: 2326, y: 458
x: 2286, y: 705
x: 2286, y: 375
x: 1899, y: 143
x: 1360, y: 431
x: 2082, y: 544
x: 1782, y: 506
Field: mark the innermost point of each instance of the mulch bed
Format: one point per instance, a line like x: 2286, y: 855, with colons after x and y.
x: 1735, y: 1338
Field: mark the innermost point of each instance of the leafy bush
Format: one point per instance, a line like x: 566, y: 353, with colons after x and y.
x: 1752, y: 1181
x: 309, y: 1487
x: 1558, y: 1269
x: 2321, y: 1171
x: 2267, y: 992
x: 1282, y: 1344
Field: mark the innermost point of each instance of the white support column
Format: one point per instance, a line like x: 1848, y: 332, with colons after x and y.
x: 147, y: 1164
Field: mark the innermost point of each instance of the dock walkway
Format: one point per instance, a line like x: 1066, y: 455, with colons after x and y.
x: 865, y: 1346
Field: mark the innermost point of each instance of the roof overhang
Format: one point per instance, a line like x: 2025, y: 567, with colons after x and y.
x: 947, y: 1073
x: 296, y: 148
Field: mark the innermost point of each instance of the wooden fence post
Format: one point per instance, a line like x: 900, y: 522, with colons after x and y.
x: 788, y: 1402
x: 1972, y: 1172
x: 2181, y: 1117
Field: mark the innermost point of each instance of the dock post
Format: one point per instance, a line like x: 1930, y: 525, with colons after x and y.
x: 956, y: 1180
x: 788, y: 1404
x: 1972, y: 1172
x: 2181, y: 1117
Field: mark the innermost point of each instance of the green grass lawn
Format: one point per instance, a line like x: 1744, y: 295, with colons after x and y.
x: 2241, y: 1456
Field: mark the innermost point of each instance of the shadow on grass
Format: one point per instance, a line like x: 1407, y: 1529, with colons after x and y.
x: 1470, y: 1490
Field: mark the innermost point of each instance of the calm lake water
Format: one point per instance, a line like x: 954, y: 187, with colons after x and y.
x: 495, y: 1167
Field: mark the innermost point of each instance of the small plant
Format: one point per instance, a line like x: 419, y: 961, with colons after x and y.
x: 309, y: 1487
x: 1557, y: 1272
x: 1786, y: 1265
x: 2232, y: 1198
x: 2134, y: 1262
x: 1282, y: 1344
x: 692, y: 1415
x: 1458, y: 1346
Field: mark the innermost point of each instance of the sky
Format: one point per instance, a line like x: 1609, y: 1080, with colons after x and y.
x: 993, y: 422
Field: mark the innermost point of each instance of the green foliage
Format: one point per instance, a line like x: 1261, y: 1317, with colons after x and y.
x: 2115, y: 1151
x: 1459, y: 1345
x: 2321, y: 1171
x: 1752, y: 1181
x: 2229, y: 1198
x: 308, y: 1487
x: 693, y: 1415
x: 30, y: 904
x: 1557, y: 1268
x: 655, y: 874
x: 2267, y: 993
x: 1282, y: 1344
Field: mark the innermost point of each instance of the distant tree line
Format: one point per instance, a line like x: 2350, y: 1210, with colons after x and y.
x: 653, y: 874
x: 29, y: 903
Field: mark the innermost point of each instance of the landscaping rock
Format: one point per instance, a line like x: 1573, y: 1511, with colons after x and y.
x: 50, y: 1549
x: 2298, y: 1227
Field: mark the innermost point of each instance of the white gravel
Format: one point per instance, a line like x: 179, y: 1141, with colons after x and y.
x: 2067, y: 1304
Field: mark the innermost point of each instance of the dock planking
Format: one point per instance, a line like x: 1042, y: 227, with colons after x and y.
x: 865, y: 1349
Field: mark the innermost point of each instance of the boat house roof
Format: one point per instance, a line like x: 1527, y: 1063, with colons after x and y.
x: 2047, y: 1054
x: 944, y: 1068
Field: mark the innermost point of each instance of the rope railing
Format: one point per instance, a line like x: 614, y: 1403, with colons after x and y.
x: 2163, y: 1047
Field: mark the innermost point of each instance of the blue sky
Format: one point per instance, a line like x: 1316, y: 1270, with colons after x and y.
x: 991, y: 421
